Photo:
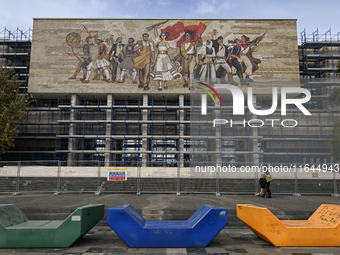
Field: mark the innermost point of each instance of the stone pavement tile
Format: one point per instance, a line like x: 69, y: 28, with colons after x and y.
x: 155, y: 253
x: 196, y: 251
x: 235, y: 234
x: 236, y: 251
x: 312, y: 250
x: 14, y: 251
x: 223, y: 233
x: 215, y: 243
x: 245, y: 232
x: 100, y: 231
x: 251, y: 245
x: 176, y: 250
x: 87, y: 240
x: 175, y: 253
x: 266, y: 245
x: 215, y: 250
x: 40, y: 251
x: 73, y: 253
x: 224, y: 240
x: 255, y: 250
x: 115, y: 251
x: 118, y: 243
x: 30, y: 253
x: 155, y: 250
x: 232, y: 246
x: 137, y: 250
x: 92, y: 253
x: 7, y: 251
x: 273, y: 250
x: 295, y: 250
x: 326, y: 252
x: 322, y: 253
x: 110, y: 237
x: 96, y: 250
x: 257, y: 240
x: 323, y: 250
x: 78, y: 249
x: 331, y: 249
x: 240, y: 240
x: 102, y: 243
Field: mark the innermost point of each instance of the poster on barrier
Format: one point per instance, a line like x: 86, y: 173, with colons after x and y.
x: 116, y: 174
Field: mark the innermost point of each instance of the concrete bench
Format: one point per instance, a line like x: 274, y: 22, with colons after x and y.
x: 17, y: 231
x: 321, y: 229
x: 197, y: 231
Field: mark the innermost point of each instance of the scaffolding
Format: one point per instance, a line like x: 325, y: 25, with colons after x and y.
x: 120, y: 132
x: 319, y: 55
x: 158, y: 133
x: 15, y: 49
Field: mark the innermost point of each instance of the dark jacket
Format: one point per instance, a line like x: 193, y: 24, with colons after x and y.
x: 113, y: 49
x: 216, y: 46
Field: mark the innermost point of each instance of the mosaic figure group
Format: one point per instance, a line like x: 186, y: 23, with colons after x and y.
x: 232, y: 57
x: 110, y: 60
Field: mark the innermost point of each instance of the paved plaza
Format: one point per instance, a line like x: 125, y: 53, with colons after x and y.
x: 235, y: 238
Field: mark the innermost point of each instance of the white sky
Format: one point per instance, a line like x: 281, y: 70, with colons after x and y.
x: 311, y: 14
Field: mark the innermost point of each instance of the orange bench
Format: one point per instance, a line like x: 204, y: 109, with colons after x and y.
x: 321, y: 229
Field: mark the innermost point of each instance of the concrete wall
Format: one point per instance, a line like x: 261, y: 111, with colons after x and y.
x: 153, y: 172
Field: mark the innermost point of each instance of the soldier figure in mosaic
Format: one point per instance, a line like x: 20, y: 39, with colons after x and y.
x: 222, y: 53
x: 83, y: 61
x: 188, y: 59
x: 127, y: 65
x: 102, y: 61
x: 116, y: 57
x: 94, y: 53
x: 236, y: 49
x: 248, y: 63
x: 207, y: 62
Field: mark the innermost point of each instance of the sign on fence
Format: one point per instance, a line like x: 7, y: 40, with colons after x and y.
x: 117, y: 174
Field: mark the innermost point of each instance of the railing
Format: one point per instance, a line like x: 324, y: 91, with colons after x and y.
x: 57, y: 177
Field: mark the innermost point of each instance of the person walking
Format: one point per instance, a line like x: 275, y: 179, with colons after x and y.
x: 269, y: 178
x: 262, y: 181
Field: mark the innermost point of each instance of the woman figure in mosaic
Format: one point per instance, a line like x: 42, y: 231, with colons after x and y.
x: 165, y: 70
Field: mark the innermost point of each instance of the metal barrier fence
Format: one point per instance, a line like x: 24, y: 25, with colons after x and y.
x: 58, y: 177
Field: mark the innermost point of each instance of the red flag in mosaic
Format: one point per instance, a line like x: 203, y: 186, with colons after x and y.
x: 176, y: 29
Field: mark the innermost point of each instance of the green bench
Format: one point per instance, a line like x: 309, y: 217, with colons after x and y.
x: 17, y: 231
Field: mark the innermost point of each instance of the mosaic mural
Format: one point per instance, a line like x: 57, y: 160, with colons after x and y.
x: 167, y: 56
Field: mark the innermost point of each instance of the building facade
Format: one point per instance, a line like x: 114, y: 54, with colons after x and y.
x: 87, y: 120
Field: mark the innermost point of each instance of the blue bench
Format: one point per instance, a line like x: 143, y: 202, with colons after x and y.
x: 137, y: 232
